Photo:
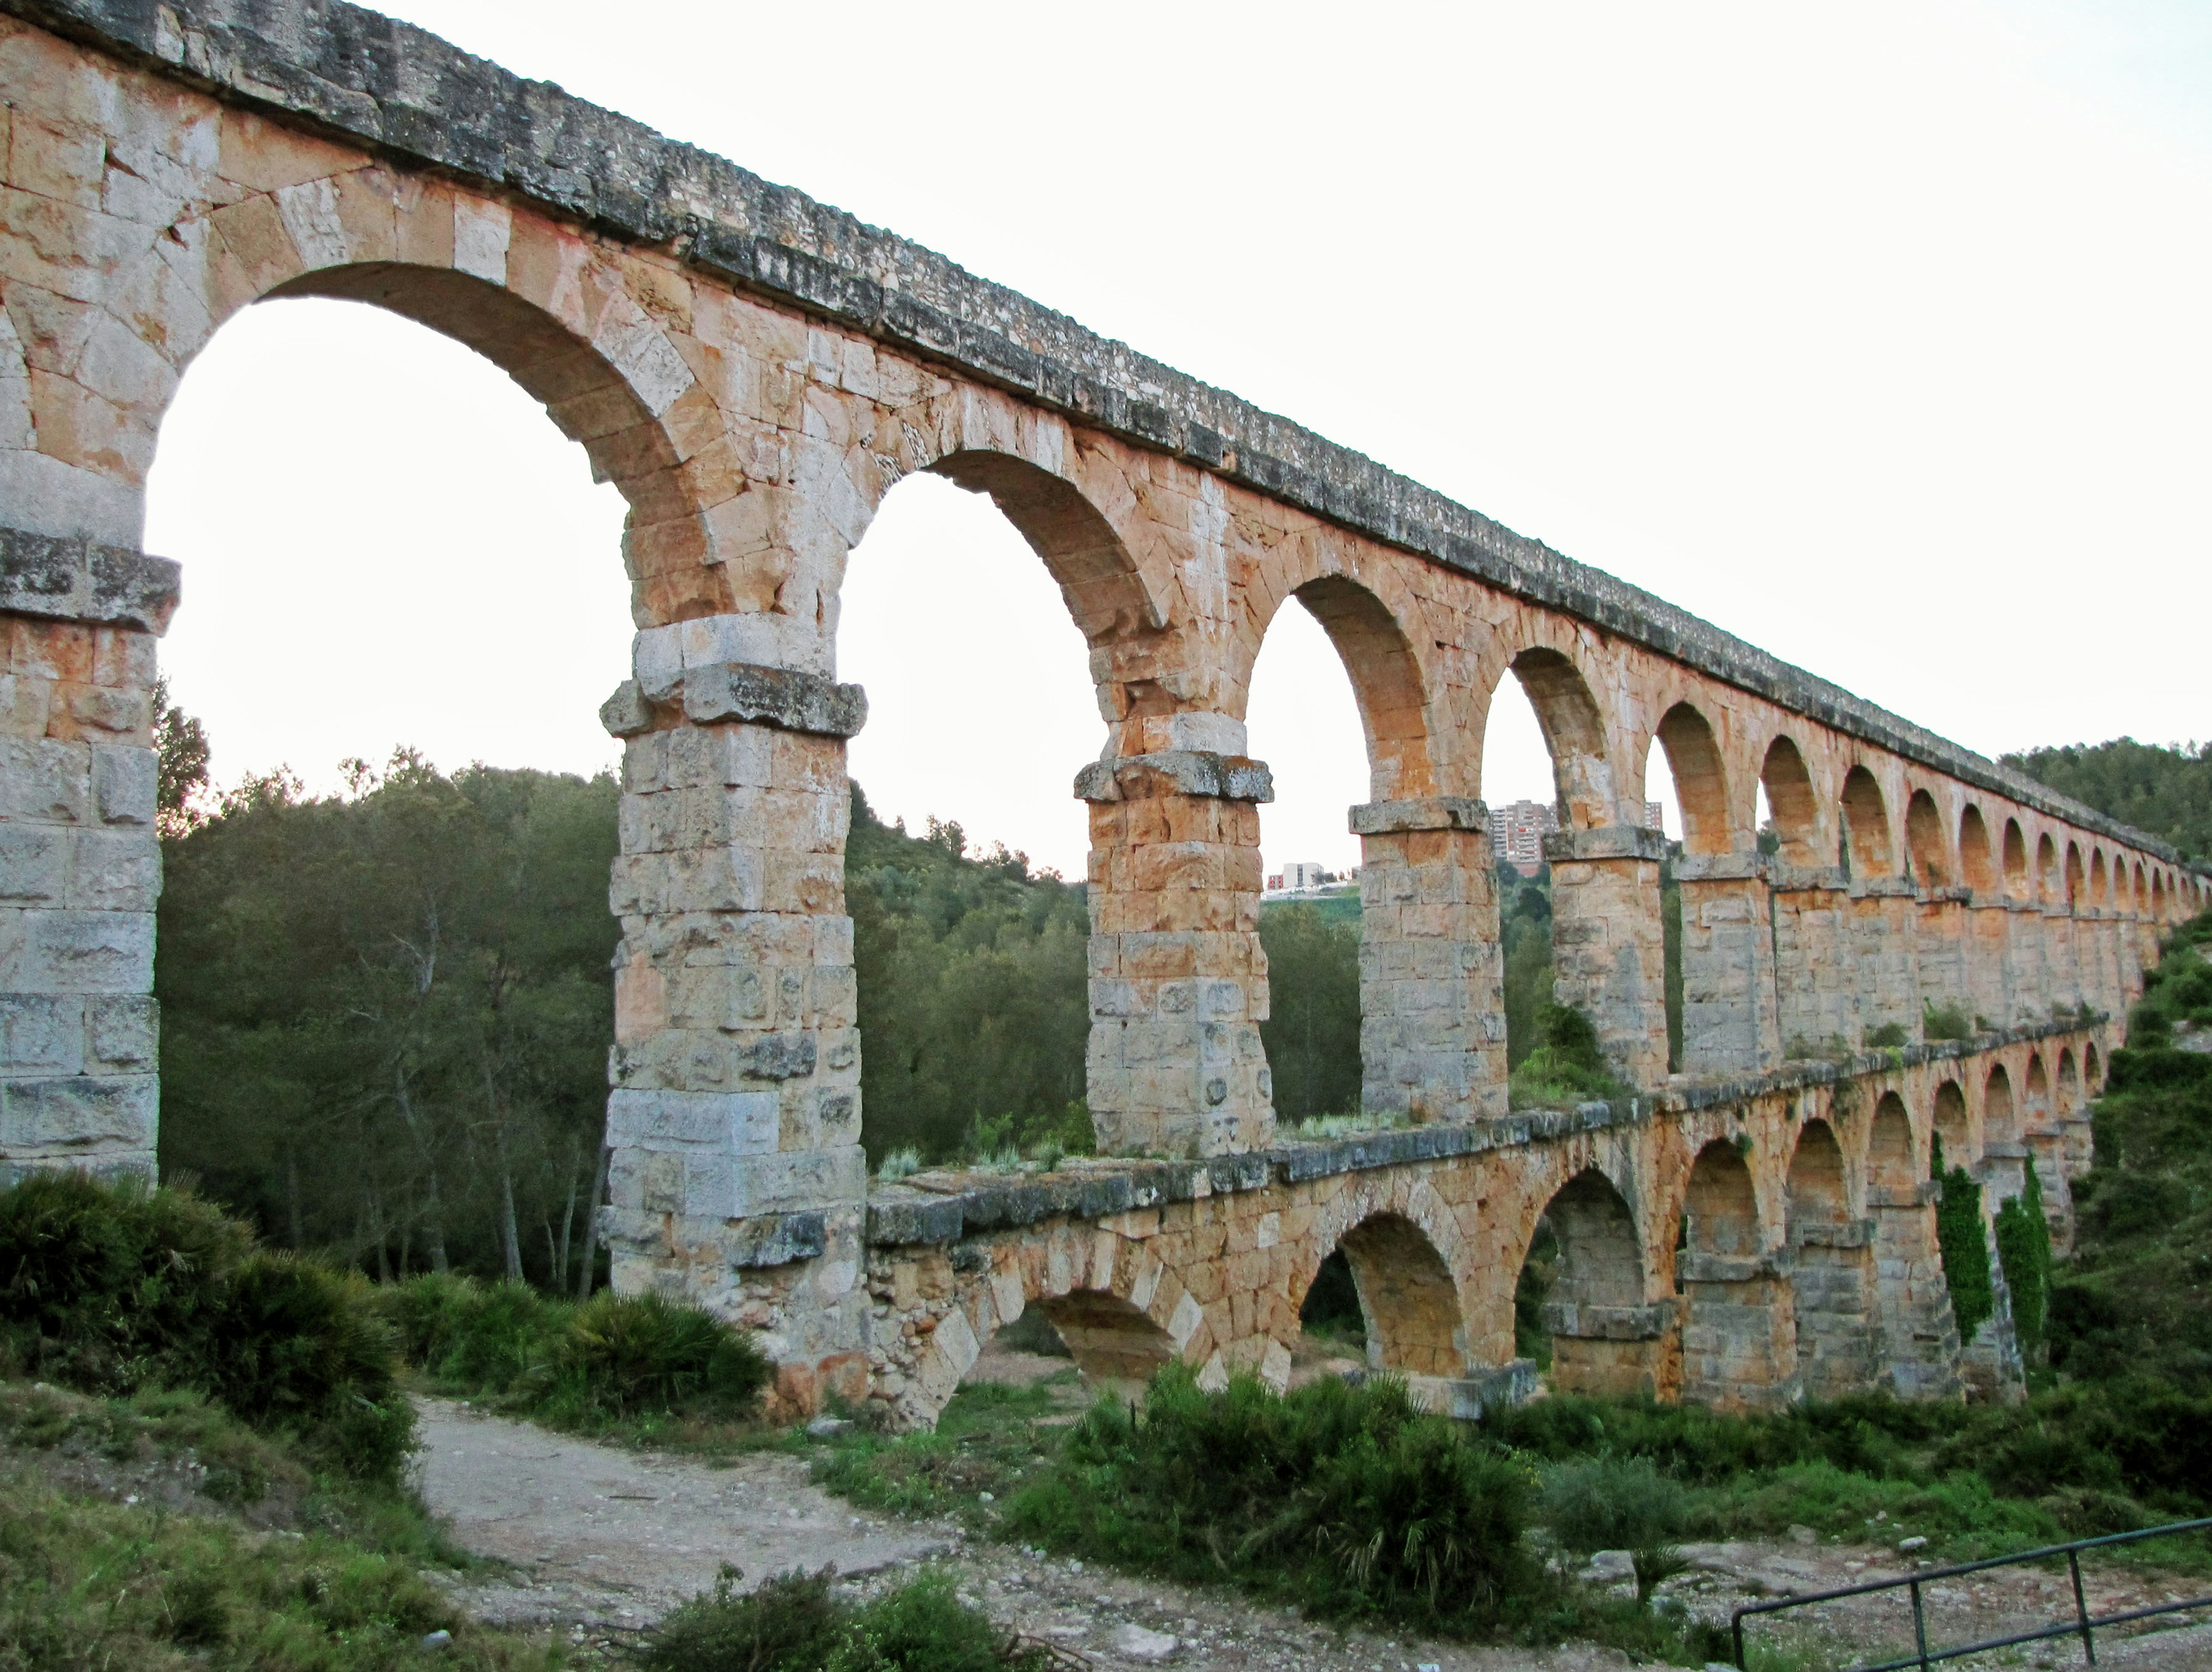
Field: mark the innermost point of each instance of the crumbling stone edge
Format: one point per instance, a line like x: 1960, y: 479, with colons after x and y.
x: 403, y: 91
x: 907, y: 1213
x: 83, y: 580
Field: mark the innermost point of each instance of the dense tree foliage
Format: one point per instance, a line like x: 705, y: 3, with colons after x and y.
x: 2165, y: 791
x: 973, y: 1007
x: 387, y: 1013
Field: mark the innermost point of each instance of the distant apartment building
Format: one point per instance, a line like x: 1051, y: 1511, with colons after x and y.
x: 1516, y: 834
x: 1654, y: 818
x: 1298, y: 874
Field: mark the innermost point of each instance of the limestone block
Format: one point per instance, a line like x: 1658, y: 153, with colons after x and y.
x: 35, y: 864
x: 115, y: 870
x: 732, y: 1123
x: 76, y: 952
x: 42, y: 1033
x: 44, y: 780
x: 79, y: 1111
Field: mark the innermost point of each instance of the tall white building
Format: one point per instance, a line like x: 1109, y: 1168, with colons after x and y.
x: 1516, y: 834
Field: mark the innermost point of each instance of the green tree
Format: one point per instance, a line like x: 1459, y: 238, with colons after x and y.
x: 1312, y: 1031
x: 2165, y: 791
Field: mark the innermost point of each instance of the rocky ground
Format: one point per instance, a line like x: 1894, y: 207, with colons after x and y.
x: 602, y: 1540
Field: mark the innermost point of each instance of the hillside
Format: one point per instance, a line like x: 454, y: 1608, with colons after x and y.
x: 2165, y: 791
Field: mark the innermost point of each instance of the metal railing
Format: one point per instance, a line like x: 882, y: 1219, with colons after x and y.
x: 2083, y: 1624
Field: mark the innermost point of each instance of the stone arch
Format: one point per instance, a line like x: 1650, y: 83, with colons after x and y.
x: 1739, y: 1329
x: 1108, y: 595
x: 2075, y: 894
x: 2142, y: 889
x: 1953, y: 1126
x: 2018, y: 884
x: 2099, y: 887
x: 2069, y: 1085
x: 2049, y: 885
x: 1387, y: 681
x: 1407, y: 1297
x: 1833, y: 1275
x: 1924, y: 836
x: 2092, y: 1071
x: 1574, y: 732
x: 606, y: 373
x: 1114, y: 1343
x: 2000, y: 1119
x: 1604, y: 1336
x: 2158, y: 895
x: 1791, y: 802
x: 2036, y: 1113
x: 1975, y: 866
x: 1893, y: 1160
x: 1866, y: 826
x: 1693, y: 755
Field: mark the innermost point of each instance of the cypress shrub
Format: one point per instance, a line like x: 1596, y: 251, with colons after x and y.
x: 2024, y: 1252
x: 1966, y: 1248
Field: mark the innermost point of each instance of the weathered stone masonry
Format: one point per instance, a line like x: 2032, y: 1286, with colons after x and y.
x: 754, y: 371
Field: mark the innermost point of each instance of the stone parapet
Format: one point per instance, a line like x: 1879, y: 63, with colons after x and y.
x: 83, y: 580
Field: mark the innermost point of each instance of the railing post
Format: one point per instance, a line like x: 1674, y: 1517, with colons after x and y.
x: 1919, y: 1626
x: 2081, y: 1607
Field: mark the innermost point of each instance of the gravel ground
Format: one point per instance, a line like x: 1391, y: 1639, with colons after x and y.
x: 604, y: 1541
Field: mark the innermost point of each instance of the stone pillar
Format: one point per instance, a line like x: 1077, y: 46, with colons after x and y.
x: 2063, y: 956
x: 2112, y: 994
x: 1620, y: 1350
x: 1608, y: 952
x: 1813, y: 966
x: 1939, y: 948
x: 1730, y: 1022
x: 2047, y: 1155
x: 1739, y: 1332
x: 738, y: 1179
x: 1178, y: 982
x: 2028, y: 964
x: 1839, y: 1325
x: 1919, y: 1336
x: 1883, y: 969
x: 1989, y: 959
x: 80, y: 860
x: 1431, y: 974
x: 2127, y: 953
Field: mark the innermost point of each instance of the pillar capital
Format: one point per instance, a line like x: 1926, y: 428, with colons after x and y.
x: 1784, y: 878
x: 1721, y: 868
x: 1175, y: 772
x: 1948, y: 895
x: 84, y: 581
x: 1884, y: 888
x: 710, y: 692
x: 1607, y: 842
x: 1430, y: 813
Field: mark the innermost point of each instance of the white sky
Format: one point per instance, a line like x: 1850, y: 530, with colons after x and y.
x: 1876, y: 334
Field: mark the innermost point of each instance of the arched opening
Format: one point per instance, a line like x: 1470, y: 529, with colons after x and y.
x: 1117, y: 1348
x: 2000, y: 1121
x: 1953, y: 1130
x: 1693, y: 761
x: 1574, y: 736
x: 1975, y: 865
x: 2093, y: 1072
x: 406, y: 1062
x: 2018, y: 884
x: 963, y: 867
x: 1919, y: 1340
x: 2050, y: 888
x: 2158, y: 897
x: 2046, y: 1139
x: 1739, y: 1333
x: 2098, y: 885
x: 2141, y: 891
x: 1923, y: 834
x: 1831, y: 1283
x: 1792, y: 808
x: 1867, y: 852
x: 2037, y: 1115
x: 1408, y: 1303
x: 1304, y: 718
x: 2076, y: 880
x: 1580, y: 1302
x: 2069, y: 1085
x: 1544, y: 769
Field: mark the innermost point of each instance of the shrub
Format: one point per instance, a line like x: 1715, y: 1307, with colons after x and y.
x: 112, y: 1288
x: 798, y: 1623
x: 1945, y: 1021
x: 2024, y: 1253
x: 1609, y: 1503
x: 614, y: 1359
x: 1965, y: 1247
x: 1347, y: 1500
x: 1566, y: 1068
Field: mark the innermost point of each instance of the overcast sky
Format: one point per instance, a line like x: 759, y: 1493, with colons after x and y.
x: 1877, y: 334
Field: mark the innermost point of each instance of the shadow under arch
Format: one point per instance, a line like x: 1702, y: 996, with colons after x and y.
x: 1790, y: 801
x: 2000, y: 1119
x: 1409, y: 1300
x: 1975, y: 865
x: 1387, y: 682
x: 1919, y: 1339
x: 1867, y: 846
x: 1925, y: 836
x: 1113, y: 1342
x: 1954, y: 1129
x: 665, y: 544
x: 2018, y: 884
x: 1604, y: 1338
x: 1106, y: 592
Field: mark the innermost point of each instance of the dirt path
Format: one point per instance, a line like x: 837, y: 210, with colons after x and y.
x: 604, y: 1541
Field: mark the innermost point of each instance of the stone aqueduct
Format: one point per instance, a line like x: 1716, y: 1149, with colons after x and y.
x: 754, y: 371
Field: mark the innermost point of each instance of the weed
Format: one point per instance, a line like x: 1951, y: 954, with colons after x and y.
x: 1949, y: 1020
x: 1609, y: 1503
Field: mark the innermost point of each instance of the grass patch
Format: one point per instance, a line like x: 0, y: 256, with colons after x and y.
x: 987, y: 1443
